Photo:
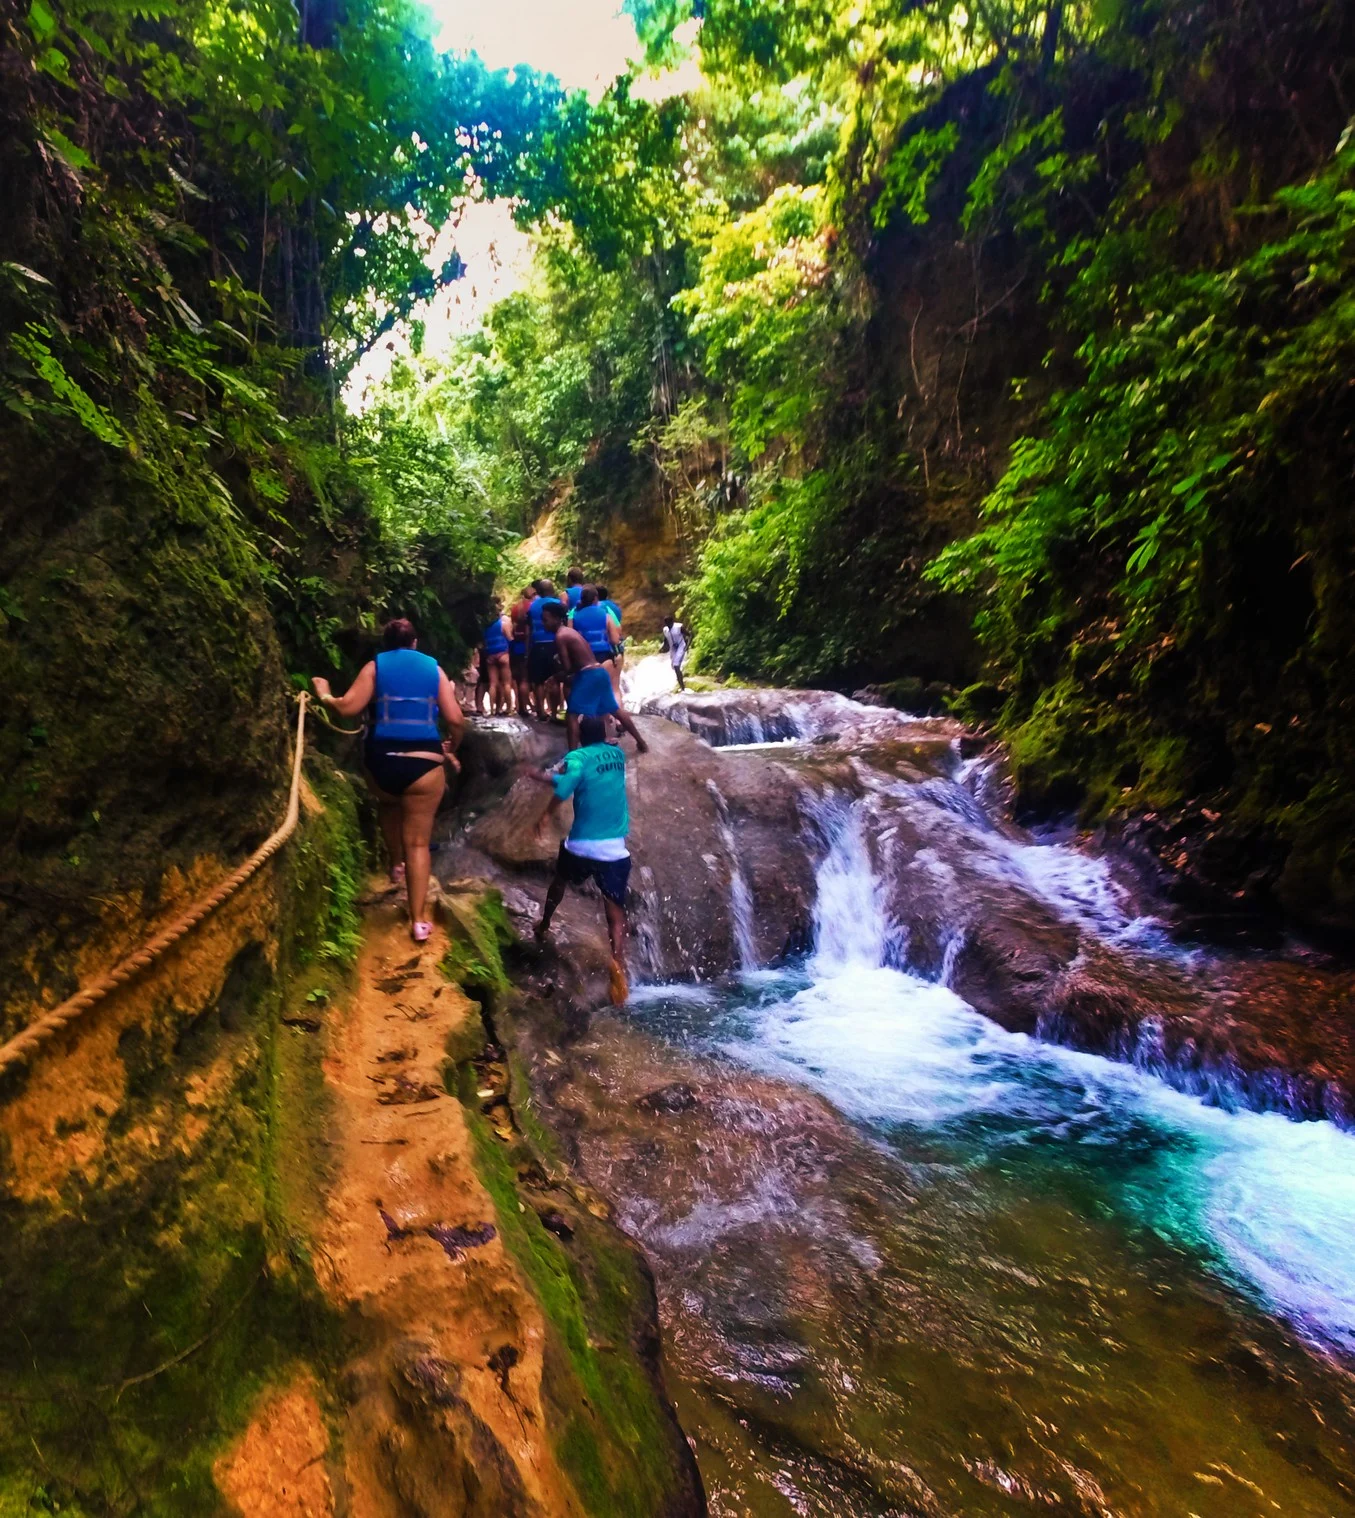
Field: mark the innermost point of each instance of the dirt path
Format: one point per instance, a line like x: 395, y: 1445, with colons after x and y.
x: 442, y: 1411
x: 446, y: 1414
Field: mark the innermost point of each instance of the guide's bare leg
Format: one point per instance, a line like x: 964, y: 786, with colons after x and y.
x: 616, y: 931
x: 554, y: 896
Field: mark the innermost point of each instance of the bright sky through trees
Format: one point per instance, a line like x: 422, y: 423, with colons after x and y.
x: 584, y: 43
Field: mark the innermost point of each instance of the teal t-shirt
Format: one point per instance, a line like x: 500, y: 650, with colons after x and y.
x: 596, y: 778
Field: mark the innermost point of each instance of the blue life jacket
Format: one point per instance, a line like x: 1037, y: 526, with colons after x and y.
x: 495, y: 642
x: 406, y: 701
x: 591, y: 621
x: 572, y: 596
x: 539, y: 633
x: 614, y: 609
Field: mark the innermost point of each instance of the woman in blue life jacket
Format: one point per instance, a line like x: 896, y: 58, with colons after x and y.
x: 404, y: 693
x: 541, y: 670
x: 619, y: 647
x: 494, y: 671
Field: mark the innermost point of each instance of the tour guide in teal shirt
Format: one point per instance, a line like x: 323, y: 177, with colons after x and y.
x: 594, y: 778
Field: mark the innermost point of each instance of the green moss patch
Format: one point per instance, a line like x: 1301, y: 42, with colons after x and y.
x: 479, y: 933
x: 613, y: 1433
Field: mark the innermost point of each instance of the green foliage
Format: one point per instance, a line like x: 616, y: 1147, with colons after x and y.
x: 518, y: 406
x: 66, y: 393
x: 910, y: 172
x: 764, y: 313
x: 1167, y: 548
x: 219, y: 212
x: 616, y: 167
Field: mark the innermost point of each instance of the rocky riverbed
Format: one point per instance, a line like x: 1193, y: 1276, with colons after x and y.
x: 970, y: 1182
x: 733, y: 811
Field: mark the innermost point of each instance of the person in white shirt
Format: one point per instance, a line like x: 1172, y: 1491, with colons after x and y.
x: 675, y: 643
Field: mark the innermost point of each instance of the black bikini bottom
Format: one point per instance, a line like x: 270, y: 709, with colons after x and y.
x: 389, y: 763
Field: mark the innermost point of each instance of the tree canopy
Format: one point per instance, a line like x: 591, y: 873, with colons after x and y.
x: 996, y: 347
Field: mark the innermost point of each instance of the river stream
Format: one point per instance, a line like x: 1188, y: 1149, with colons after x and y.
x: 912, y: 1263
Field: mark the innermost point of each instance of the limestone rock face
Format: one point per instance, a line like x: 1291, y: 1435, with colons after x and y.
x: 688, y: 805
x: 745, y: 792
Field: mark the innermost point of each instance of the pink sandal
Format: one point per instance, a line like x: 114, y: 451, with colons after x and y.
x: 422, y: 931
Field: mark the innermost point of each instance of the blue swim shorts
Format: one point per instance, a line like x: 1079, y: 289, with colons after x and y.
x: 591, y: 694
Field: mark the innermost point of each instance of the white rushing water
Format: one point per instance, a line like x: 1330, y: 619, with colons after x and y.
x: 740, y: 898
x: 643, y: 679
x: 1267, y: 1202
x: 1080, y: 886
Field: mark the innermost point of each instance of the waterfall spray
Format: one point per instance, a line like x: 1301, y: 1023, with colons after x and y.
x: 740, y: 899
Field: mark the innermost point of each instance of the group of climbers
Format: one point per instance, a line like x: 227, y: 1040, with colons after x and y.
x: 521, y: 668
x: 526, y: 656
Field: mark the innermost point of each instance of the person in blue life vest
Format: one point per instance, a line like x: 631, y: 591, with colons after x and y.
x: 619, y: 648
x: 602, y: 632
x: 541, y: 672
x: 404, y: 693
x: 590, y: 691
x: 494, y: 666
x: 593, y: 777
x: 573, y: 589
x: 517, y: 650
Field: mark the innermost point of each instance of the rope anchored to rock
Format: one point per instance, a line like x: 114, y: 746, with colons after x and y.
x: 23, y: 1045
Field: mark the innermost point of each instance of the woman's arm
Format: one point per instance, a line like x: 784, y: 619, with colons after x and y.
x: 358, y: 696
x: 613, y: 630
x: 449, y: 708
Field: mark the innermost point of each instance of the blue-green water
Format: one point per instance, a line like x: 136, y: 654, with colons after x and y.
x: 912, y: 1263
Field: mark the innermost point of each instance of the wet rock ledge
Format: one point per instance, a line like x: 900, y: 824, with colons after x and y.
x: 605, y: 1405
x: 718, y: 823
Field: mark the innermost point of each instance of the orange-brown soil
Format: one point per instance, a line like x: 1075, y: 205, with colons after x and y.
x: 58, y: 1129
x: 444, y: 1400
x: 277, y: 1470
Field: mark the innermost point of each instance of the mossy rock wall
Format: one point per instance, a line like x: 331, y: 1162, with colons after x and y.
x: 156, y: 1168
x: 145, y: 733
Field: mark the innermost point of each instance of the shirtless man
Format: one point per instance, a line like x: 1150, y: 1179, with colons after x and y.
x: 590, y: 687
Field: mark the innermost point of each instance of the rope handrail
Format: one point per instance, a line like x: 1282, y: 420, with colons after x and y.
x: 26, y: 1042
x: 348, y: 732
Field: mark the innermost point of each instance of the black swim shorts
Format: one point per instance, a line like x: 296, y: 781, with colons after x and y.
x: 540, y: 663
x: 612, y: 875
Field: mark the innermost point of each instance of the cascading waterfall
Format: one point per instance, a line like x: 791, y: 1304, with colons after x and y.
x: 850, y: 928
x: 909, y: 1261
x: 950, y: 955
x: 740, y: 898
x: 1273, y: 1199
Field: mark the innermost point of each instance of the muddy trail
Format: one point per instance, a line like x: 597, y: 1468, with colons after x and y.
x: 502, y: 1335
x: 286, y: 1240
